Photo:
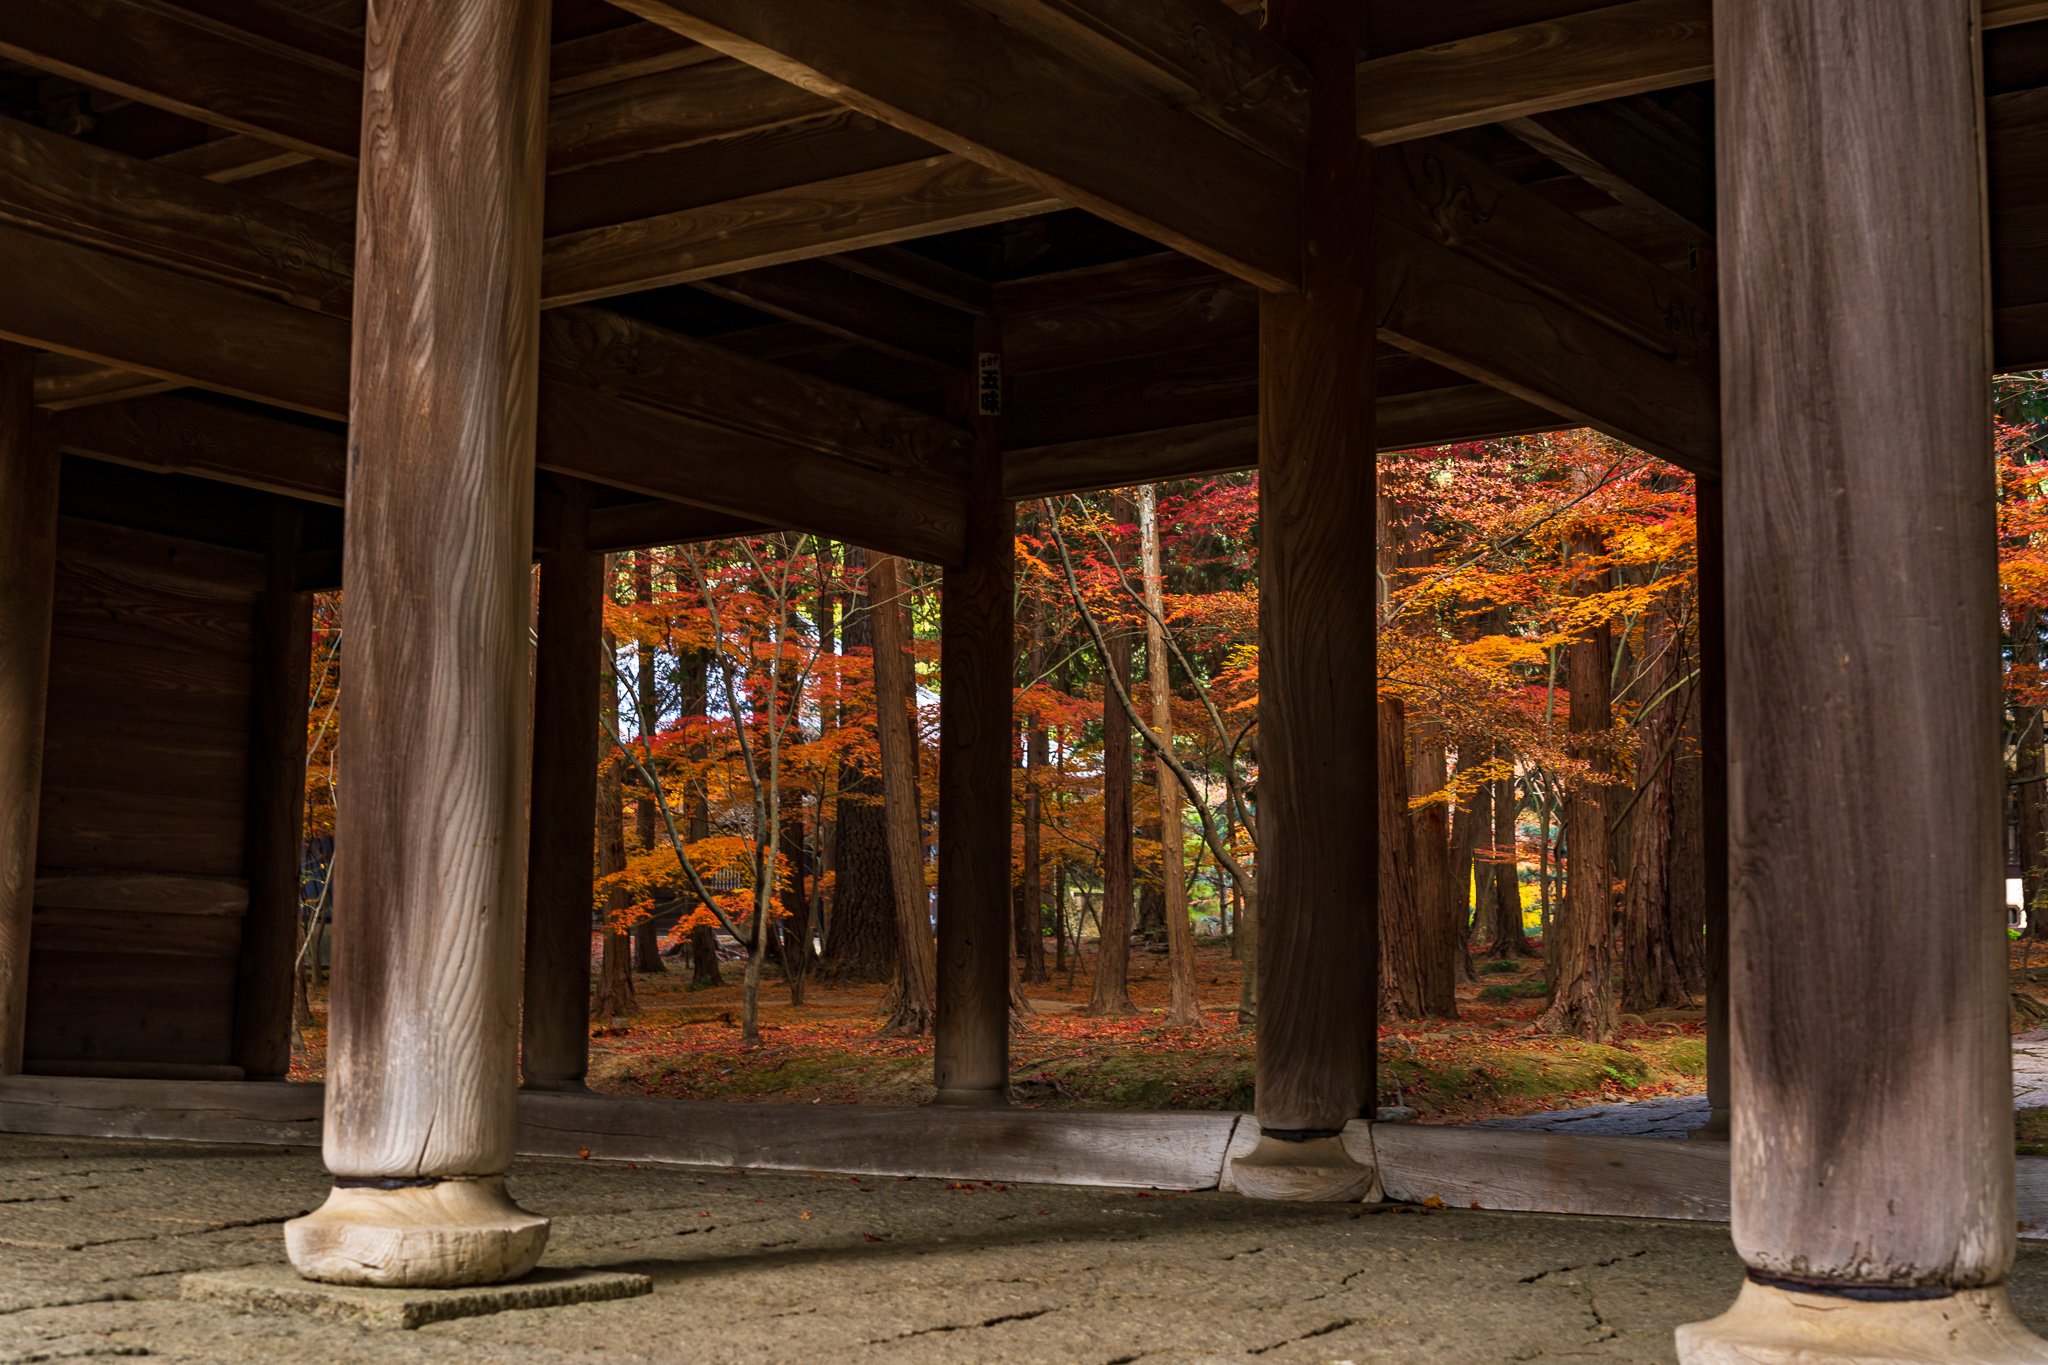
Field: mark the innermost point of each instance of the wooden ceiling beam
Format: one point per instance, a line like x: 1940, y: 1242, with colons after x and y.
x: 747, y: 431
x: 64, y: 382
x: 1449, y: 308
x: 1636, y: 152
x: 854, y: 308
x: 957, y: 76
x: 936, y: 194
x: 1431, y: 417
x: 1600, y: 54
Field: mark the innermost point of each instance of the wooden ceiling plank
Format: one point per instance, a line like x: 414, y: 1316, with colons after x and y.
x: 1637, y: 154
x: 936, y: 194
x: 288, y: 32
x: 181, y: 435
x: 957, y: 76
x: 64, y: 382
x: 922, y: 276
x: 180, y: 64
x: 854, y: 308
x: 1623, y: 49
x: 1459, y: 313
x: 72, y: 189
x: 1433, y: 189
x: 620, y: 54
x: 1202, y: 55
x: 1630, y: 48
x: 667, y: 110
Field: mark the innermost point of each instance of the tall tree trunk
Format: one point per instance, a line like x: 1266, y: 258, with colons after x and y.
x: 1430, y: 828
x: 1183, y: 1008
x: 1650, y: 974
x: 1033, y: 879
x: 1467, y: 821
x: 615, y: 996
x: 895, y: 699
x: 646, y: 941
x: 1688, y: 894
x: 794, y: 930
x: 1112, y: 994
x: 1582, y: 954
x: 1510, y: 939
x: 1059, y: 919
x: 2030, y: 790
x: 1407, y: 990
x: 861, y: 946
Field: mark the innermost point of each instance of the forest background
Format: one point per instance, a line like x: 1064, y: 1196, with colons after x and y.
x: 763, y: 850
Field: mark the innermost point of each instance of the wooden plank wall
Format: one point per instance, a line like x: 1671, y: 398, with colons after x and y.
x: 140, y: 859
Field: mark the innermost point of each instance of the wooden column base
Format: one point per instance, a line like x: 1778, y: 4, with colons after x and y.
x: 1318, y: 1170
x: 458, y: 1231
x: 1771, y: 1326
x: 972, y: 1099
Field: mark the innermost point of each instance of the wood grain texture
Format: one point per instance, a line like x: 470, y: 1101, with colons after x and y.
x: 1637, y: 152
x: 936, y: 194
x: 226, y: 897
x: 430, y: 846
x: 1318, y: 955
x: 204, y: 73
x: 854, y: 308
x: 1458, y: 313
x: 619, y: 54
x: 28, y: 530
x: 65, y: 381
x: 568, y: 675
x: 1854, y: 347
x: 1434, y: 190
x: 1033, y: 111
x: 971, y: 1035
x: 67, y: 188
x: 177, y: 434
x: 281, y: 678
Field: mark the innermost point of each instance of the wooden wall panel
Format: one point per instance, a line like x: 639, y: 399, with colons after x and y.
x: 140, y: 852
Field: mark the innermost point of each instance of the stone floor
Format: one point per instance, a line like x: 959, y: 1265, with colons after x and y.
x: 95, y: 1237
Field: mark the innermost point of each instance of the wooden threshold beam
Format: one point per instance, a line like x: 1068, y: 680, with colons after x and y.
x: 956, y: 75
x: 1623, y: 49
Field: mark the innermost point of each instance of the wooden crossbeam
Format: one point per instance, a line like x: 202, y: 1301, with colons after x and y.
x: 957, y: 76
x: 872, y: 208
x: 1452, y: 309
x: 1623, y: 49
x: 1431, y: 417
x: 64, y: 382
x: 755, y: 434
x: 855, y: 309
x: 177, y: 434
x: 1638, y: 153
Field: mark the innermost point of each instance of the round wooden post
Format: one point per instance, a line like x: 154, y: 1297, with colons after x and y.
x: 971, y: 1031
x: 1872, y: 1130
x: 1318, y: 951
x: 568, y: 676
x: 276, y: 809
x: 430, y: 840
x: 28, y: 574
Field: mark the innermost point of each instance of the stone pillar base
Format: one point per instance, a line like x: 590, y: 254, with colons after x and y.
x: 1771, y: 1326
x: 1319, y: 1170
x: 457, y: 1231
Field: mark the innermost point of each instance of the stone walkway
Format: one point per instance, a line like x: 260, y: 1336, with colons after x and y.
x: 1676, y: 1118
x: 97, y: 1236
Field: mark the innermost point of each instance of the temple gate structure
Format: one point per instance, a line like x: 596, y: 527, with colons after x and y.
x: 297, y: 294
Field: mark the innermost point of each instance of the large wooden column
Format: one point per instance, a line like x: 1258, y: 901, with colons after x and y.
x: 1318, y: 960
x: 1713, y: 695
x: 430, y: 839
x: 568, y: 676
x: 1872, y: 1131
x: 28, y: 572
x: 971, y: 1033
x: 276, y: 809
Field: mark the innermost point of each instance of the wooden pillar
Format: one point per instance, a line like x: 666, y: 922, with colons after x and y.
x: 430, y: 842
x: 28, y: 572
x: 276, y: 819
x: 1713, y: 695
x: 971, y: 1033
x: 568, y: 677
x: 1318, y: 958
x: 1872, y: 1133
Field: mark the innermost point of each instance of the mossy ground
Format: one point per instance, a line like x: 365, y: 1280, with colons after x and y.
x: 685, y: 1044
